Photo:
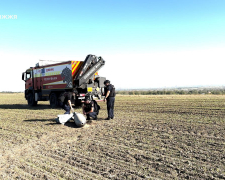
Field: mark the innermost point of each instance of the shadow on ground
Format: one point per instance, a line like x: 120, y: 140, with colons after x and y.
x: 40, y: 120
x: 71, y: 123
x: 25, y: 106
x: 52, y: 122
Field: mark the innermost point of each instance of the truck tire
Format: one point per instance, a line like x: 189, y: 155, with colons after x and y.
x: 30, y: 100
x: 53, y: 100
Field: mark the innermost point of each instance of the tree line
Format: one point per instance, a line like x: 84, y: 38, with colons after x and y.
x: 171, y: 92
x: 162, y: 92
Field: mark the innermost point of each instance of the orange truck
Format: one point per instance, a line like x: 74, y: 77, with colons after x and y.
x: 48, y: 82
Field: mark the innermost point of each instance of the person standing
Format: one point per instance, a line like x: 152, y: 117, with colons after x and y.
x: 109, y: 98
x: 65, y: 101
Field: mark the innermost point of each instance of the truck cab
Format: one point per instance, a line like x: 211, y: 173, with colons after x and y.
x: 27, y: 77
x: 29, y: 93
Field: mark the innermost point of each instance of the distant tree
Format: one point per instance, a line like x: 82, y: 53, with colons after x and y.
x: 137, y: 92
x: 130, y: 92
x: 217, y: 92
x: 148, y: 92
x: 169, y: 92
x: 192, y: 92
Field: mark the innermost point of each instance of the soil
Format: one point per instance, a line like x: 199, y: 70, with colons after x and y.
x: 151, y: 137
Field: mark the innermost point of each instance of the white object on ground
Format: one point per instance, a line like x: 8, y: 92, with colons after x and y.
x: 63, y: 118
x: 79, y: 119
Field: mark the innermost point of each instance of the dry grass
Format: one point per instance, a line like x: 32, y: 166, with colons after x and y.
x: 152, y: 137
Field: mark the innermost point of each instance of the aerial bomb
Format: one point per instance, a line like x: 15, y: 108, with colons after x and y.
x: 79, y: 119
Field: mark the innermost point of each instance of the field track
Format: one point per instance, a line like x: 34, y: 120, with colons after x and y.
x: 151, y: 137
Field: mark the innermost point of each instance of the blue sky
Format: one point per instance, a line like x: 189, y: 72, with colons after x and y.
x: 146, y: 44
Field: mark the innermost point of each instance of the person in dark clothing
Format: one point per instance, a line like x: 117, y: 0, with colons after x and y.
x: 109, y: 98
x: 89, y: 109
x: 65, y: 101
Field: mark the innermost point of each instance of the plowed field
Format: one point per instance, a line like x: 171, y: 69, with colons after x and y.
x: 151, y: 137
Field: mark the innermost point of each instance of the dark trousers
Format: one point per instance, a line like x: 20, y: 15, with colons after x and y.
x: 110, y: 106
x: 92, y: 114
x: 65, y: 107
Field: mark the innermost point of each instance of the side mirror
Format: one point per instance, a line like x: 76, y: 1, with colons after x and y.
x: 23, y: 76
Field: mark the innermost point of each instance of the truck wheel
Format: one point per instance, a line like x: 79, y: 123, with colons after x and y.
x: 53, y: 100
x: 30, y: 100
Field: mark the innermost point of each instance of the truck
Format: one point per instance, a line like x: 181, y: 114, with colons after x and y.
x: 47, y: 82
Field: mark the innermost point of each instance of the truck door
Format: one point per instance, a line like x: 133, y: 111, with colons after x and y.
x: 28, y: 80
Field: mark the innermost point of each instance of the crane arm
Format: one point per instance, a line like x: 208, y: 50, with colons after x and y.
x: 90, y: 66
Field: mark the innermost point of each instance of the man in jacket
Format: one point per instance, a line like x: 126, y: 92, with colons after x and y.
x: 65, y: 101
x: 109, y: 98
x: 89, y: 108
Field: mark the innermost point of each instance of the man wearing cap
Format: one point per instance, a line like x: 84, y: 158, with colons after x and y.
x: 109, y: 98
x: 88, y: 108
x: 65, y: 101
